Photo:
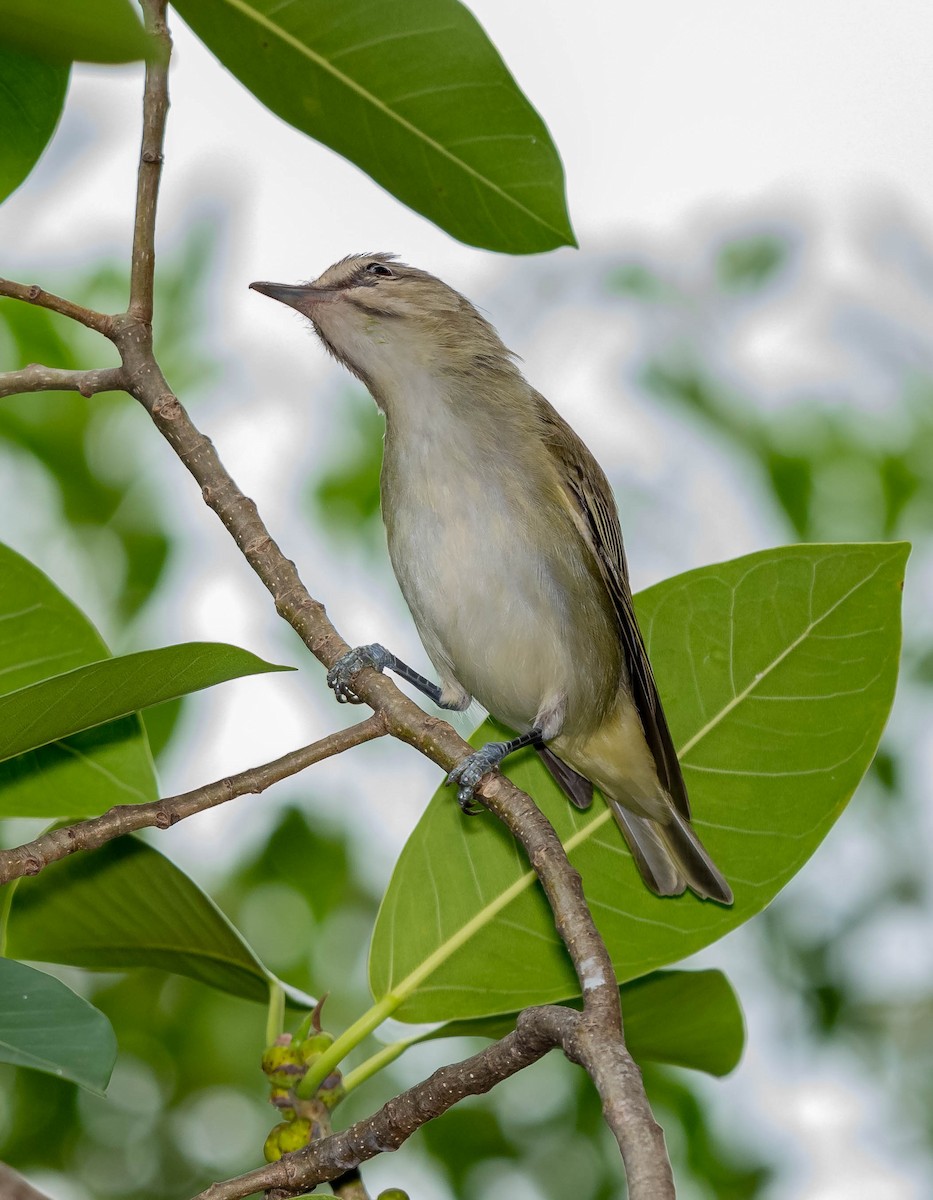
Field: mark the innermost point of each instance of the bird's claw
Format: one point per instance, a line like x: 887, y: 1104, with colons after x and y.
x: 467, y: 775
x: 340, y: 676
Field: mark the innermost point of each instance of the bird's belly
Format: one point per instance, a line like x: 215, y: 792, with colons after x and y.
x: 489, y: 611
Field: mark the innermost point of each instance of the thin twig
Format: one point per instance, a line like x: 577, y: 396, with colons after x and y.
x: 37, y: 378
x: 155, y: 112
x: 56, y: 844
x: 31, y: 293
x: 537, y: 1031
x: 14, y: 1187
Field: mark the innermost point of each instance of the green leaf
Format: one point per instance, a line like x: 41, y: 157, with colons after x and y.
x: 126, y: 905
x: 684, y: 1018
x: 32, y: 96
x: 100, y: 31
x: 45, y: 1026
x: 777, y: 672
x: 40, y: 629
x: 102, y: 691
x: 413, y: 93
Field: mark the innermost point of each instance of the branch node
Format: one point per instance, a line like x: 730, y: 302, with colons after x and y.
x: 257, y: 545
x: 34, y: 291
x: 167, y: 408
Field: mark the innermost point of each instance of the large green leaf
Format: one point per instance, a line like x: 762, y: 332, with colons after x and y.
x: 126, y: 905
x: 42, y: 631
x: 32, y: 95
x: 777, y: 672
x: 684, y: 1018
x: 102, y: 691
x: 45, y: 1026
x: 413, y: 93
x: 101, y: 31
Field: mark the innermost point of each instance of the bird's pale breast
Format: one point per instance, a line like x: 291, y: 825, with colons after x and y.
x: 500, y: 604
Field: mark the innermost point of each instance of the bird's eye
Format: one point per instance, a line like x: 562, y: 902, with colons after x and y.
x: 377, y: 268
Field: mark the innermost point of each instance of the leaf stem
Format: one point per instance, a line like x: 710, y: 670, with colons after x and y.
x: 374, y: 1064
x: 348, y: 1040
x: 275, y: 1015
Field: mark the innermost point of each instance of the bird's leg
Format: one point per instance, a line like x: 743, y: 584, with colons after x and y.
x: 468, y: 773
x: 340, y: 676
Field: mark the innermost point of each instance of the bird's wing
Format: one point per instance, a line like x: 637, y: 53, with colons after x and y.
x: 591, y: 501
x: 576, y: 787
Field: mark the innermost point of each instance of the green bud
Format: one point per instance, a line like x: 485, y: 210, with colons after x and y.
x: 282, y: 1099
x: 392, y: 1194
x: 294, y: 1135
x: 271, y: 1149
x: 283, y: 1064
x: 311, y: 1047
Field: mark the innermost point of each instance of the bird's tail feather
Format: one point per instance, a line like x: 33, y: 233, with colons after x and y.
x: 670, y: 857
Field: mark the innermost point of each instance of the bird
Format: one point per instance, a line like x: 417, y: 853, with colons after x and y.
x: 505, y: 539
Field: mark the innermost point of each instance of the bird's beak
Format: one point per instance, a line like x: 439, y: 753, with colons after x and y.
x: 303, y: 297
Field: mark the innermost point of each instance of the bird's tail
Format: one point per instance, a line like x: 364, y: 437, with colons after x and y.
x: 670, y: 856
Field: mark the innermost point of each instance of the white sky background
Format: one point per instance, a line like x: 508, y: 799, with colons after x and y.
x: 663, y: 112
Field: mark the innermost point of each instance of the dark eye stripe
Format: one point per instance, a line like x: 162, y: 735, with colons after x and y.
x: 370, y: 309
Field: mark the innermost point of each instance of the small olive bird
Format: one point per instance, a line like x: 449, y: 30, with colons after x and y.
x: 505, y: 540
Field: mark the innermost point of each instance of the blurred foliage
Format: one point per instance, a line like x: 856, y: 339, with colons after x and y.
x: 750, y: 262
x: 94, y: 464
x: 727, y: 1173
x: 833, y: 476
x: 344, y: 497
x: 88, y: 450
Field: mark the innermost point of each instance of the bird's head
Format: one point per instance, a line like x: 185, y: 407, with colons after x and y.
x: 386, y: 321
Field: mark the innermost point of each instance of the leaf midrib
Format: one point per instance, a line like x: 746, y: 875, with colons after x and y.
x: 289, y: 39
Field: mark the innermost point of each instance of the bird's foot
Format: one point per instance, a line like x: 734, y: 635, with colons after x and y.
x: 340, y: 676
x: 468, y: 774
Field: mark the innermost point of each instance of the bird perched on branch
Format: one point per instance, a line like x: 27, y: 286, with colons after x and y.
x: 505, y: 540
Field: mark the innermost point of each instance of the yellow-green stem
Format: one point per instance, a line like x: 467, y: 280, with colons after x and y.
x: 332, y: 1057
x: 375, y: 1063
x: 275, y: 1015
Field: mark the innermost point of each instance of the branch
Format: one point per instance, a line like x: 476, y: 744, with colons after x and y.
x: 36, y: 378
x: 537, y: 1031
x: 31, y: 293
x: 14, y: 1187
x: 56, y: 844
x: 155, y: 111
